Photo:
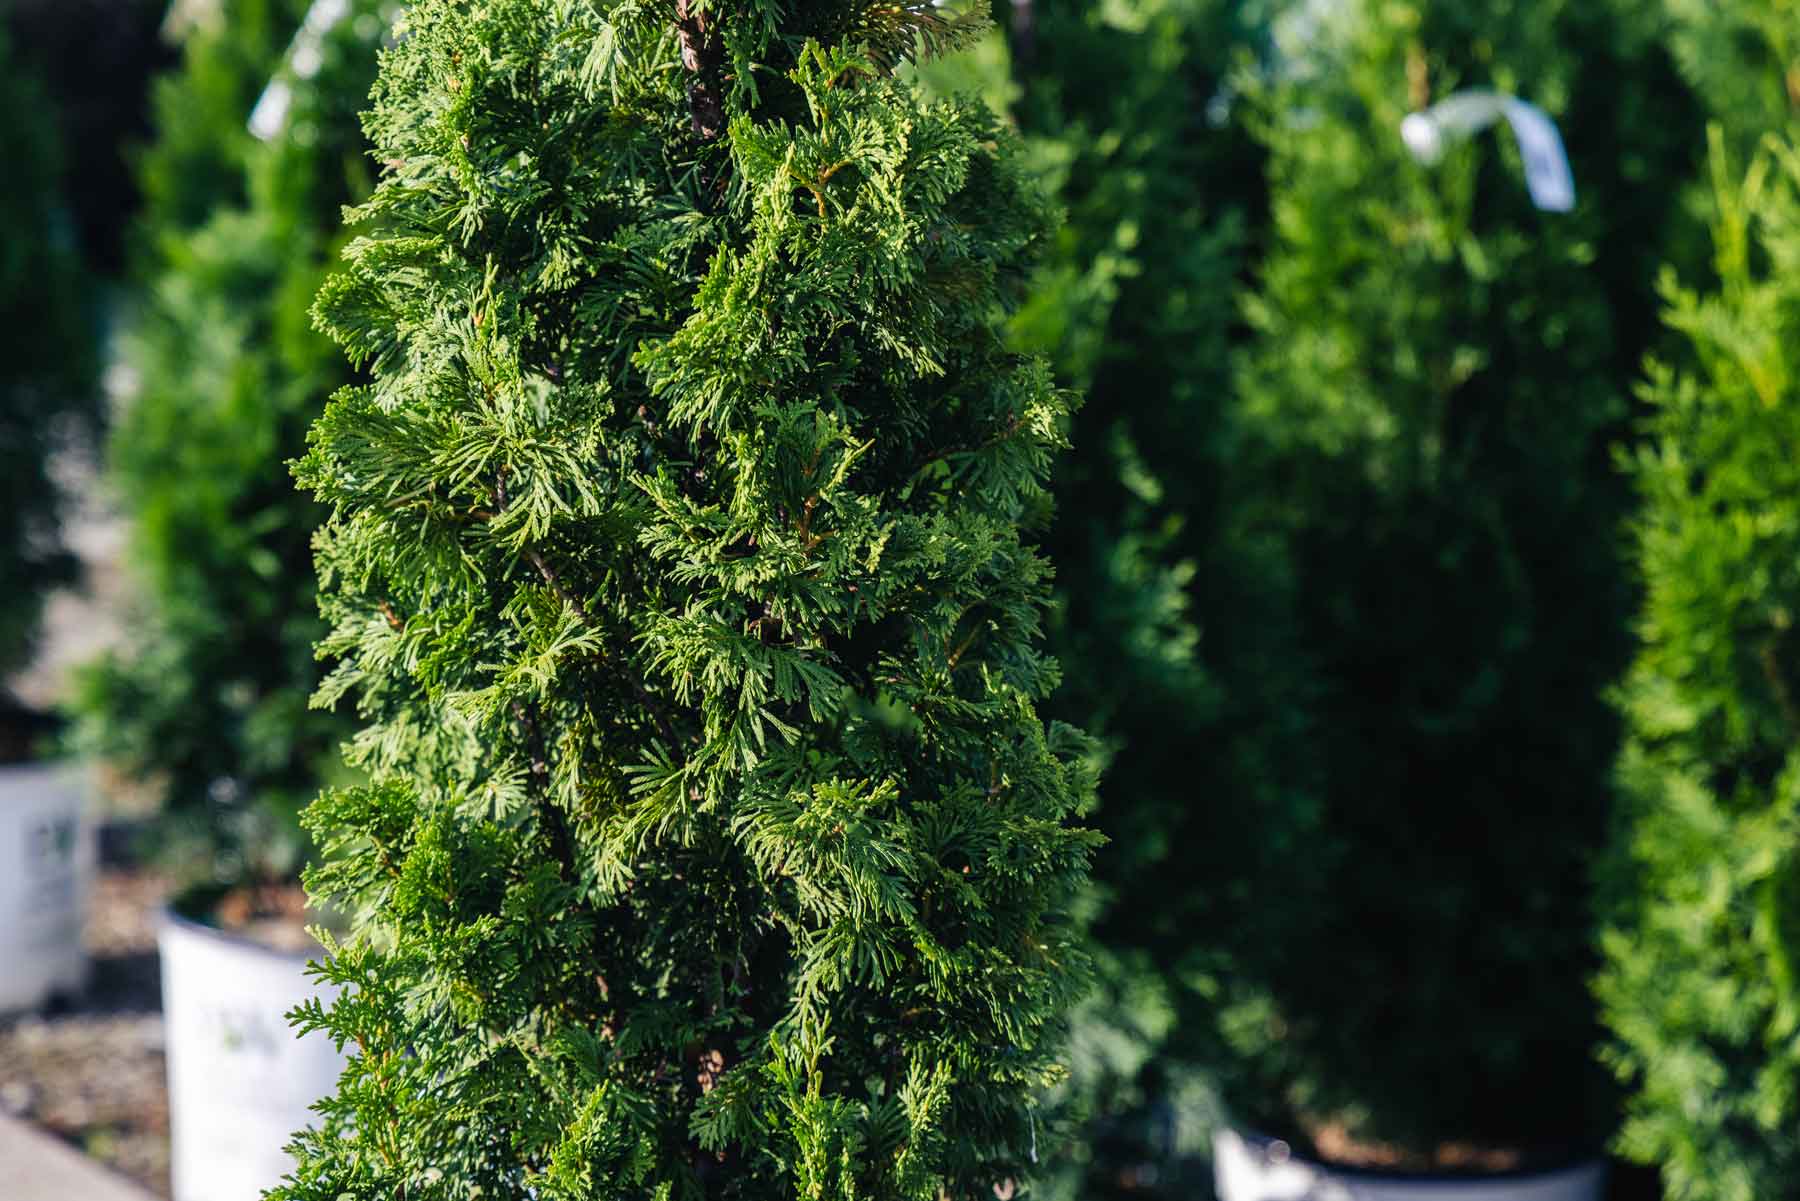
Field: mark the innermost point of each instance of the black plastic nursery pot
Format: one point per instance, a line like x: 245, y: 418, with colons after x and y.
x: 241, y: 1080
x: 1252, y: 1167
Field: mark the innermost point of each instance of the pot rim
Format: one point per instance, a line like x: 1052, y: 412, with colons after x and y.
x: 61, y: 765
x: 168, y: 919
x: 1575, y: 1161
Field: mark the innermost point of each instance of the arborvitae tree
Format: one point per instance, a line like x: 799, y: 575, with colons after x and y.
x: 1700, y: 988
x: 1128, y: 107
x: 1165, y: 621
x: 199, y: 160
x: 1741, y: 61
x: 209, y: 698
x: 47, y: 377
x: 1696, y: 989
x: 714, y: 848
x: 1439, y: 373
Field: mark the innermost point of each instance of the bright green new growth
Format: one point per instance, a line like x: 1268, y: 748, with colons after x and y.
x: 1700, y: 987
x: 715, y: 849
x: 209, y: 698
x: 47, y: 380
x: 1740, y: 57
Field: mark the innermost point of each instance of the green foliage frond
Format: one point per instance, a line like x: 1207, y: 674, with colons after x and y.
x: 1699, y: 987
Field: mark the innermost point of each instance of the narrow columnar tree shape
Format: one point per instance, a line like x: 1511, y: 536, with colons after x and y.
x: 197, y: 161
x: 1439, y: 372
x: 1169, y: 622
x: 209, y: 696
x: 1700, y: 986
x: 1127, y: 106
x: 714, y: 847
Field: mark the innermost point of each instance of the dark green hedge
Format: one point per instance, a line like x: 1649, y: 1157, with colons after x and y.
x: 48, y: 376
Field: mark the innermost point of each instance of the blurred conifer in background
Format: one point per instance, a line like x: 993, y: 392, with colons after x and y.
x: 1428, y: 410
x: 1169, y: 611
x: 208, y: 699
x: 48, y: 375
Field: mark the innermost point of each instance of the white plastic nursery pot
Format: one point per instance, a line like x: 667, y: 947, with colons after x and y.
x: 46, y: 870
x: 241, y: 1080
x: 1251, y: 1168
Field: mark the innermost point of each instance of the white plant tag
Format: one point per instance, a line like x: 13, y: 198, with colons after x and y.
x: 1429, y: 134
x: 1547, y: 175
x: 1547, y: 172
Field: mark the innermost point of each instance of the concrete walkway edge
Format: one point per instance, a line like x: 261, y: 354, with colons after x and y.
x: 35, y: 1166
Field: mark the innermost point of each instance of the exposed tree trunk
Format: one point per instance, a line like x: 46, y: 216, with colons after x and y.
x: 1024, y: 31
x: 703, y: 54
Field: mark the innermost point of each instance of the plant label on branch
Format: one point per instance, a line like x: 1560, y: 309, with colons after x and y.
x: 1547, y: 172
x: 1547, y: 175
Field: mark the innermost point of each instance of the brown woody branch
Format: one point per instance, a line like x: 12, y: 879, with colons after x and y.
x: 556, y: 585
x: 1778, y: 685
x: 703, y: 54
x: 1024, y: 29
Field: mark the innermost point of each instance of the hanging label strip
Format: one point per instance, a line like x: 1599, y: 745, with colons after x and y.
x: 1547, y: 174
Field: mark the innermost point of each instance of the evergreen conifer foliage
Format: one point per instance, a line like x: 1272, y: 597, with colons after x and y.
x: 1699, y: 987
x: 47, y: 379
x: 1170, y: 621
x: 1137, y: 307
x: 198, y: 162
x: 714, y: 848
x: 1740, y: 57
x: 209, y: 698
x: 1438, y: 374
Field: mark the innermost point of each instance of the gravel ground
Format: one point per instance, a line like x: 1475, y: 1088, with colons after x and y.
x: 92, y: 1072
